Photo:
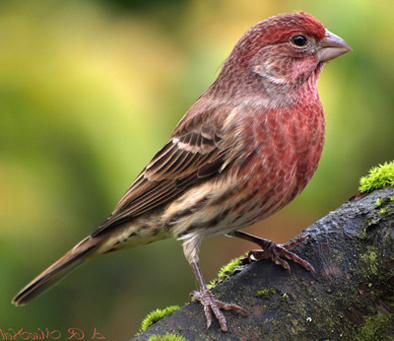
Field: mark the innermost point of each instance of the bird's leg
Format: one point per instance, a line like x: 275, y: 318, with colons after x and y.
x: 205, y: 296
x: 210, y: 303
x: 272, y: 250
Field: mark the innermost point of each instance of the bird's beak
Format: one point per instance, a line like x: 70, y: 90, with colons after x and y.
x: 331, y: 46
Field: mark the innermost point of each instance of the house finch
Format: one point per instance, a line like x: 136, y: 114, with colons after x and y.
x: 245, y: 149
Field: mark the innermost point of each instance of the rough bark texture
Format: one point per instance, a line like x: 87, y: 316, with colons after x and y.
x: 352, y: 251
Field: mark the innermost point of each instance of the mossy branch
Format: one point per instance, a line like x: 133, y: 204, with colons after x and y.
x: 352, y: 250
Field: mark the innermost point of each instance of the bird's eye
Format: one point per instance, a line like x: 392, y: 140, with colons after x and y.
x: 299, y: 40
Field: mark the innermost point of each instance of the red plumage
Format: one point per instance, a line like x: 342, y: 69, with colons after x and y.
x: 246, y: 148
x: 276, y: 30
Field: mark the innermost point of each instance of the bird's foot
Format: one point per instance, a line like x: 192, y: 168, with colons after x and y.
x: 272, y: 250
x: 211, y: 304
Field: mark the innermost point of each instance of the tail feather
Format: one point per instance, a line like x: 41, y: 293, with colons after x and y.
x: 54, y: 274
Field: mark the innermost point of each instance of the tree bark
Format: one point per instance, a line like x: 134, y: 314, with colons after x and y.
x: 352, y: 251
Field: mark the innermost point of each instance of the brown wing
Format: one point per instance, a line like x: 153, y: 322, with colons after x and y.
x: 182, y: 163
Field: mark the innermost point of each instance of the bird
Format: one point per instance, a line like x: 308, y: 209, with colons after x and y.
x: 245, y: 149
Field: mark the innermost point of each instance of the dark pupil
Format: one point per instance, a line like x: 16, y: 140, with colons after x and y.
x: 299, y: 40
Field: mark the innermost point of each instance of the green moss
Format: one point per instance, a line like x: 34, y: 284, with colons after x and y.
x: 370, y: 259
x: 383, y: 211
x: 212, y: 283
x: 227, y: 270
x: 156, y: 315
x: 167, y: 337
x: 378, y: 177
x: 378, y: 325
x: 378, y: 202
x: 264, y: 293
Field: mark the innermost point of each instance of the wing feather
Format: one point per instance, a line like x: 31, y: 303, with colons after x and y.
x: 189, y: 157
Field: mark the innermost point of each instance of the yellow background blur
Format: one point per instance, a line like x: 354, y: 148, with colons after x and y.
x: 90, y: 90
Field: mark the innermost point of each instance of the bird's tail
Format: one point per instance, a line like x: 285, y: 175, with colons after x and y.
x: 56, y: 272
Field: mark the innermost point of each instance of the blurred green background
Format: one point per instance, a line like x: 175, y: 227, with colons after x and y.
x: 90, y: 90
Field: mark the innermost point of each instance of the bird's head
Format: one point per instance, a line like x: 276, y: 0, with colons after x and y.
x: 283, y: 52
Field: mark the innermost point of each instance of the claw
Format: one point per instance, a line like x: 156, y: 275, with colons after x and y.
x: 275, y: 251
x: 211, y: 304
